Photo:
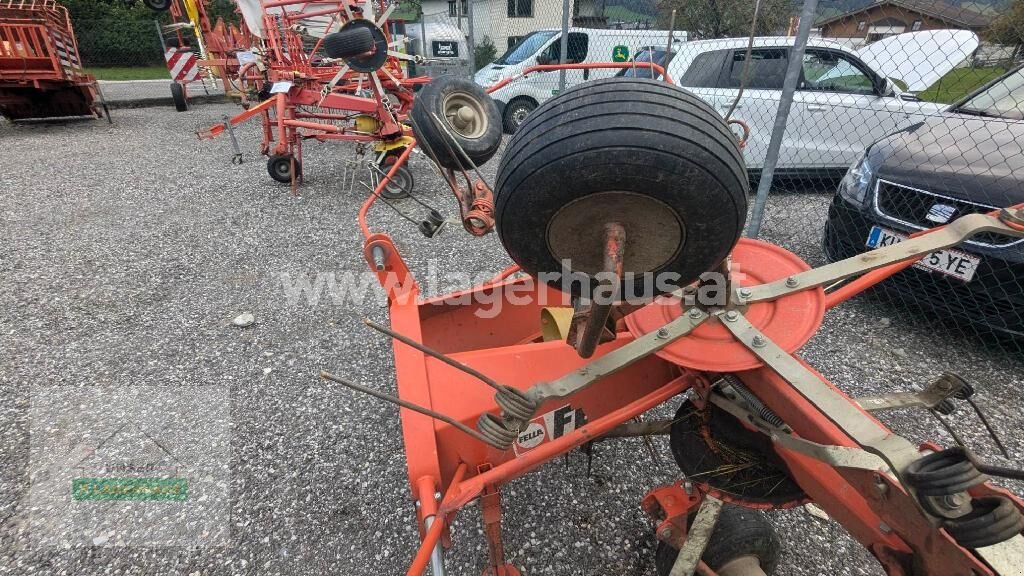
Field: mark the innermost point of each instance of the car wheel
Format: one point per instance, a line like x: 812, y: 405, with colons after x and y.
x: 645, y: 154
x: 516, y: 113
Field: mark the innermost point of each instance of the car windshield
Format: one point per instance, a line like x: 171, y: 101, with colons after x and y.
x: 645, y: 55
x: 525, y: 48
x: 1003, y: 99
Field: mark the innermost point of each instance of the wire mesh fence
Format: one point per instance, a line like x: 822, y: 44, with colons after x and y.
x: 874, y: 139
x: 869, y: 120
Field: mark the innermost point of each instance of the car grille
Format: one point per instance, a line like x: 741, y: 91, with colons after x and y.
x: 911, y: 206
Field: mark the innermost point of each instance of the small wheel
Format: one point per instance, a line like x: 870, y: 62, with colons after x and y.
x: 656, y: 159
x: 157, y: 5
x: 178, y: 95
x: 279, y: 167
x: 348, y: 43
x: 516, y: 113
x: 468, y: 114
x: 741, y: 537
x: 400, y: 185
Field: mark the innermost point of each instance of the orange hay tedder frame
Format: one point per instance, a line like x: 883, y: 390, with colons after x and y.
x: 487, y: 397
x: 41, y: 74
x: 350, y: 86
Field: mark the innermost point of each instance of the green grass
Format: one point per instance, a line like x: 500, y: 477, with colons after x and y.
x: 130, y: 73
x: 959, y: 83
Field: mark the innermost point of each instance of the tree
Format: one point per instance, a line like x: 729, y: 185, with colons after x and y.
x: 726, y: 18
x: 1008, y: 27
x: 484, y: 53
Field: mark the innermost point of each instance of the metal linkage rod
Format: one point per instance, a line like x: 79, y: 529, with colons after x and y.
x: 435, y: 354
x: 406, y: 404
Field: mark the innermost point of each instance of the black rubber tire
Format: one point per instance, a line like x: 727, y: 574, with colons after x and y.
x: 157, y: 5
x: 637, y: 137
x: 431, y: 101
x: 400, y: 186
x: 178, y: 96
x: 516, y: 107
x: 739, y: 532
x: 279, y: 167
x: 348, y: 43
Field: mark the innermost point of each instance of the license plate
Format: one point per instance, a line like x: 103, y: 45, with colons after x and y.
x: 953, y: 263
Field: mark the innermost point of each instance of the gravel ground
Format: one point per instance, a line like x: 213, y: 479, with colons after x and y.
x: 128, y: 249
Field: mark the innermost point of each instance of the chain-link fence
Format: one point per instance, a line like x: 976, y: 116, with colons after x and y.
x: 860, y: 134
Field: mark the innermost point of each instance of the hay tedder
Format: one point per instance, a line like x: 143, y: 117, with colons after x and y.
x: 349, y: 85
x: 621, y: 202
x: 41, y: 74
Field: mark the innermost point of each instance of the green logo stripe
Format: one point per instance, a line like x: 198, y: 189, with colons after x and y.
x: 129, y: 488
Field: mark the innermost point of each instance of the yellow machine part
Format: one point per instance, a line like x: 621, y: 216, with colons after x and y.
x: 555, y: 322
x: 390, y: 145
x: 366, y: 124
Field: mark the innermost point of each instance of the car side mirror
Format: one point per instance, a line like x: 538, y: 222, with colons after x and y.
x: 543, y: 59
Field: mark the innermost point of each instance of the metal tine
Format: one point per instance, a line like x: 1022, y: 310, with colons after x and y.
x: 435, y: 354
x: 406, y: 404
x: 373, y: 190
x: 991, y: 431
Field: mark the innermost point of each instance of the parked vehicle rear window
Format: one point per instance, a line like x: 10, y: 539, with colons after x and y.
x: 705, y: 69
x: 767, y: 69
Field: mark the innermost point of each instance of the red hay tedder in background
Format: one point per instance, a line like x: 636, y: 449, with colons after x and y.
x: 41, y: 74
x: 350, y: 85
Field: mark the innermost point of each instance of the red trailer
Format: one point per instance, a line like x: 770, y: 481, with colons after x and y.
x: 41, y: 74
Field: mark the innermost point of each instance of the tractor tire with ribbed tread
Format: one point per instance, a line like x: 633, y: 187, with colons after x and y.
x: 636, y: 142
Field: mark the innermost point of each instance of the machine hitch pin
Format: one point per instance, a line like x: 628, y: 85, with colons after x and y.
x: 378, y: 257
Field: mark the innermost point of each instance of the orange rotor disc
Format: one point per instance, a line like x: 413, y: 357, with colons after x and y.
x: 789, y: 321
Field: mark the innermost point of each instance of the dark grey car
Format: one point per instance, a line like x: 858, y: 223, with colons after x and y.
x: 967, y: 160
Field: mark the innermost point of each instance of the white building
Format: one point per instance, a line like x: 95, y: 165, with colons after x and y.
x: 506, y: 21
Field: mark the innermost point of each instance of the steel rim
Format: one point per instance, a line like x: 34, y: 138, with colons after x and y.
x: 399, y: 184
x: 465, y: 115
x: 519, y: 115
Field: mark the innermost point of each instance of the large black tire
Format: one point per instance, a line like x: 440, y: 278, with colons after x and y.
x: 478, y: 133
x: 516, y: 113
x: 649, y: 155
x: 348, y: 43
x: 739, y: 532
x: 178, y: 96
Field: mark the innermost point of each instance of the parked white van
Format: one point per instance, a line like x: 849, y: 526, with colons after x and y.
x: 585, y: 45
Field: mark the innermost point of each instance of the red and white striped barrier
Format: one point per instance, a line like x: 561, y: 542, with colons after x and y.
x: 183, y: 64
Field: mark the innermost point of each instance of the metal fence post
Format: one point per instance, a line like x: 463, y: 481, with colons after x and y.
x: 796, y: 59
x: 565, y: 44
x: 470, y: 40
x: 423, y: 34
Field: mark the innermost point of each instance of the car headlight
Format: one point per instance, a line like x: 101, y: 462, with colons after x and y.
x: 854, y: 185
x: 493, y: 78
